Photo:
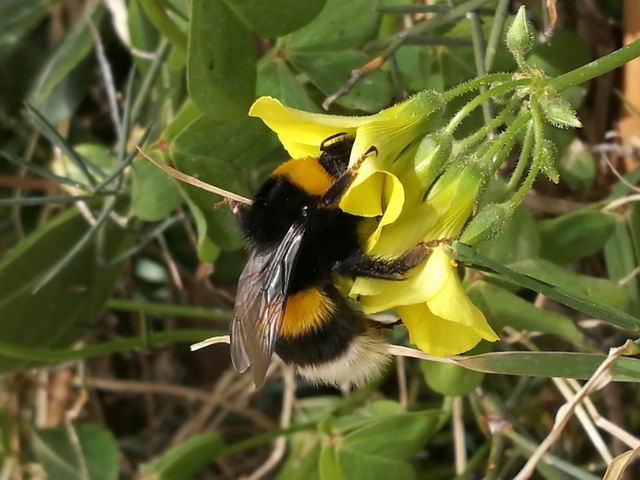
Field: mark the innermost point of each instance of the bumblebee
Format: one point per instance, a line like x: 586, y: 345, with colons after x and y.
x: 287, y: 303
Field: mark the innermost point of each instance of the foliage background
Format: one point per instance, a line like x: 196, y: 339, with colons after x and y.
x: 110, y: 269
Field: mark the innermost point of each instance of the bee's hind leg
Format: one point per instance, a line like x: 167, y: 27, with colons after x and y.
x: 361, y: 265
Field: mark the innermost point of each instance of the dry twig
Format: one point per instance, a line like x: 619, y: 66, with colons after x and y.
x: 599, y: 379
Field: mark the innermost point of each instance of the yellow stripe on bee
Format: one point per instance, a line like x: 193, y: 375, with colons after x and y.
x: 307, y: 174
x: 304, y: 311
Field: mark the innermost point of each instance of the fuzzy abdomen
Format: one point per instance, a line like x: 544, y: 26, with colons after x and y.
x: 332, y: 343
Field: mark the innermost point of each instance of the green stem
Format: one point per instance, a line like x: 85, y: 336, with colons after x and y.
x: 507, y: 139
x: 475, y: 84
x: 597, y: 67
x: 477, y: 101
x: 528, y: 447
x: 149, y: 79
x: 537, y: 157
x: 495, y: 37
x: 155, y: 12
x: 522, y: 159
x: 478, y: 53
x: 261, y: 439
x: 470, y: 141
x: 106, y: 348
x: 497, y: 447
x: 169, y: 310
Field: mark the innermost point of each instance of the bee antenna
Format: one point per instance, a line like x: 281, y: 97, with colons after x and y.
x: 329, y: 138
x: 183, y: 177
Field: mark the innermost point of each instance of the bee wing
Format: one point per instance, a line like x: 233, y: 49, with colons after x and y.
x: 260, y: 305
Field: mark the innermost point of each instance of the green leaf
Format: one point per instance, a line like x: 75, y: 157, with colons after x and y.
x: 503, y: 308
x: 303, y: 459
x: 410, y: 431
x: 53, y: 449
x: 65, y: 97
x: 340, y: 26
x: 221, y: 61
x: 328, y: 71
x: 450, y: 380
x: 184, y: 461
x: 216, y: 152
x: 141, y: 33
x: 590, y: 307
x: 367, y: 452
x: 595, y: 289
x: 578, y: 167
x: 61, y: 310
x: 275, y: 18
x: 95, y: 157
x: 329, y: 468
x: 275, y: 79
x: 187, y: 114
x: 621, y: 188
x: 620, y: 259
x: 356, y: 464
x: 158, y: 16
x: 551, y: 364
x: 417, y: 68
x: 17, y: 19
x: 575, y: 235
x: 153, y: 195
x: 69, y: 53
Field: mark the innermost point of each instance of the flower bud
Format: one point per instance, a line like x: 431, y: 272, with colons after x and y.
x: 557, y: 110
x: 519, y: 38
x: 487, y: 224
x: 548, y: 165
x: 433, y: 152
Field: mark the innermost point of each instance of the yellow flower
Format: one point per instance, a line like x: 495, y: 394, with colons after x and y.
x: 431, y: 301
x: 376, y: 191
x: 390, y: 190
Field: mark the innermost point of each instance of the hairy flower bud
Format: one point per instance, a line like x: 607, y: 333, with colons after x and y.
x: 557, y: 110
x: 519, y: 38
x: 548, y: 164
x: 487, y: 224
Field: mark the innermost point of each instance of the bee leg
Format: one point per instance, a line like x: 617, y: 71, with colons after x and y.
x: 361, y: 265
x: 333, y: 195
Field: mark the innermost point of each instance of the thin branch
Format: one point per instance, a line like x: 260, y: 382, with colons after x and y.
x: 618, y: 175
x: 107, y: 77
x: 79, y: 245
x: 280, y: 445
x: 183, y: 177
x: 398, y: 40
x: 620, y: 202
x: 599, y: 379
x: 585, y: 420
x: 479, y: 52
x: 604, y: 423
x: 403, y: 395
x: 460, y: 450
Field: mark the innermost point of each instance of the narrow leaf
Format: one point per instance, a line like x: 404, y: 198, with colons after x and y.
x: 467, y: 255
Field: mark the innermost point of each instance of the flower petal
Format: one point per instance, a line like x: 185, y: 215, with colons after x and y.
x: 424, y: 283
x: 302, y: 132
x: 452, y: 303
x: 435, y: 335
